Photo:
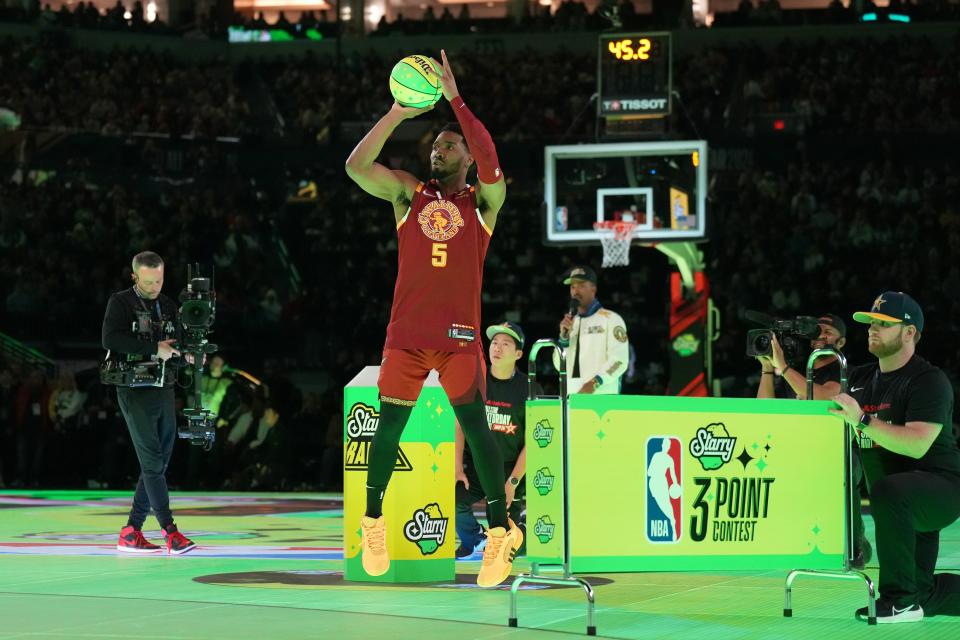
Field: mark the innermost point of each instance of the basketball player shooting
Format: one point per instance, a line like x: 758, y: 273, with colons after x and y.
x: 444, y: 227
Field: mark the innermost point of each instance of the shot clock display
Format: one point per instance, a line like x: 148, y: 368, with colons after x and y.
x: 634, y: 74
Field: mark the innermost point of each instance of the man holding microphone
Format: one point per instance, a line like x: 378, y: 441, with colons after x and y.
x: 595, y: 338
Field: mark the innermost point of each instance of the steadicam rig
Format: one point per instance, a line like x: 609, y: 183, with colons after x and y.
x: 195, y: 318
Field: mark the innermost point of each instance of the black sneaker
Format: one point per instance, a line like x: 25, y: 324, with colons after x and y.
x: 464, y: 552
x: 887, y: 613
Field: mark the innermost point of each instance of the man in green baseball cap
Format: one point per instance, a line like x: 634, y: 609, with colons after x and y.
x: 506, y: 400
x: 893, y: 307
x: 901, y: 408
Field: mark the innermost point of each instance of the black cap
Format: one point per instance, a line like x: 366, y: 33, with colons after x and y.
x: 512, y: 329
x: 893, y: 306
x: 834, y: 321
x: 581, y: 273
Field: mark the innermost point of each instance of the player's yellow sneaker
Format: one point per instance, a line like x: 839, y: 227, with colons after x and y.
x: 373, y: 551
x: 502, y: 546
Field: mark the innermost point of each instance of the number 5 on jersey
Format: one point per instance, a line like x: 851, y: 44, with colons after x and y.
x: 439, y: 254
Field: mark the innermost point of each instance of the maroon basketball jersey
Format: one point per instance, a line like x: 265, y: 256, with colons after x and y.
x: 442, y: 244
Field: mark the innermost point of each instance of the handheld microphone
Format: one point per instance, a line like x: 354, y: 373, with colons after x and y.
x: 574, y: 306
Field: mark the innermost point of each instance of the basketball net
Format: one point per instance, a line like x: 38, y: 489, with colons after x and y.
x: 615, y: 237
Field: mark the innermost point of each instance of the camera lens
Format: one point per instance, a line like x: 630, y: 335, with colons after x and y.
x: 761, y: 344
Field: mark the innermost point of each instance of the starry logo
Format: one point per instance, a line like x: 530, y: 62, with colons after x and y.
x: 427, y: 529
x: 712, y: 446
x: 543, y: 433
x: 544, y: 529
x: 543, y: 481
x: 362, y: 423
x: 686, y: 345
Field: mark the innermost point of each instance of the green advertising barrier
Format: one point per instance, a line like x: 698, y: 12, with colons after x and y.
x: 679, y: 484
x: 419, y: 503
x: 544, y: 446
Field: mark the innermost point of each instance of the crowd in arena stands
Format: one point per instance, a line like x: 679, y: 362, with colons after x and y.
x: 65, y: 430
x: 846, y: 87
x: 570, y: 15
x: 52, y: 84
x: 792, y: 232
x: 826, y: 237
x: 762, y: 13
x: 65, y: 246
x: 127, y: 15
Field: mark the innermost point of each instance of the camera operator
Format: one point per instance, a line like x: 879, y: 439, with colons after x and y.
x: 792, y: 383
x: 139, y: 333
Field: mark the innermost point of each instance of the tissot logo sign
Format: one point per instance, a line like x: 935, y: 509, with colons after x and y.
x: 630, y: 105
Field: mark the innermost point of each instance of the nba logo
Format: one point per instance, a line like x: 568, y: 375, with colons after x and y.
x: 664, y: 480
x: 561, y: 219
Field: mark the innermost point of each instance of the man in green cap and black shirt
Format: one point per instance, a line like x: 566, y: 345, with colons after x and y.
x: 506, y: 407
x: 902, y: 409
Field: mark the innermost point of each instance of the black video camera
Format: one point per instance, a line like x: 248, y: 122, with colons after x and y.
x: 794, y: 335
x: 197, y: 311
x: 198, y: 303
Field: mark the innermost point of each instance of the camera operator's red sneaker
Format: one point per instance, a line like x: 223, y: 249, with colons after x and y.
x: 132, y: 541
x: 177, y: 543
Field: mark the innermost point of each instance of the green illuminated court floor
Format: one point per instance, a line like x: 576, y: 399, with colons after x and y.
x: 268, y: 566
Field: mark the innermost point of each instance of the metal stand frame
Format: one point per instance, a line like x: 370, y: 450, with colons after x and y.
x: 848, y: 573
x: 535, y: 576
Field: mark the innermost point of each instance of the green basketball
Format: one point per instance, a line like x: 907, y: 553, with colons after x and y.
x: 415, y: 82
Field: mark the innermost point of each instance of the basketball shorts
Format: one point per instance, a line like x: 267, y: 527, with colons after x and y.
x: 402, y: 372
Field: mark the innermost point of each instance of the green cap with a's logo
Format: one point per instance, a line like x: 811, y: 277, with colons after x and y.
x: 511, y: 329
x: 893, y: 306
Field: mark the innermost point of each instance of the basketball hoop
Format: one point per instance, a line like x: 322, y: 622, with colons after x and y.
x: 615, y: 236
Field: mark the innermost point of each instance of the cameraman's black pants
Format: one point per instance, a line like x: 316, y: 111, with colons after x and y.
x: 149, y: 412
x: 910, y: 509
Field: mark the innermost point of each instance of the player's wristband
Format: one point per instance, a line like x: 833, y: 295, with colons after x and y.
x: 598, y: 380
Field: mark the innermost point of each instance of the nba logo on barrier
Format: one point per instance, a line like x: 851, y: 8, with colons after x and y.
x: 664, y: 480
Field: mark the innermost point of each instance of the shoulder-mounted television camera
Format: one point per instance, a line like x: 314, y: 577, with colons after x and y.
x: 794, y: 335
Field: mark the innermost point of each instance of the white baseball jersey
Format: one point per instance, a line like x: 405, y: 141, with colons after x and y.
x: 599, y: 341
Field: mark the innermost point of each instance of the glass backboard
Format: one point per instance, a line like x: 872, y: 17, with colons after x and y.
x: 659, y: 185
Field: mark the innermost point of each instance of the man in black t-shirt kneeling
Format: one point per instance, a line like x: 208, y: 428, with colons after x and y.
x: 900, y: 406
x: 506, y: 407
